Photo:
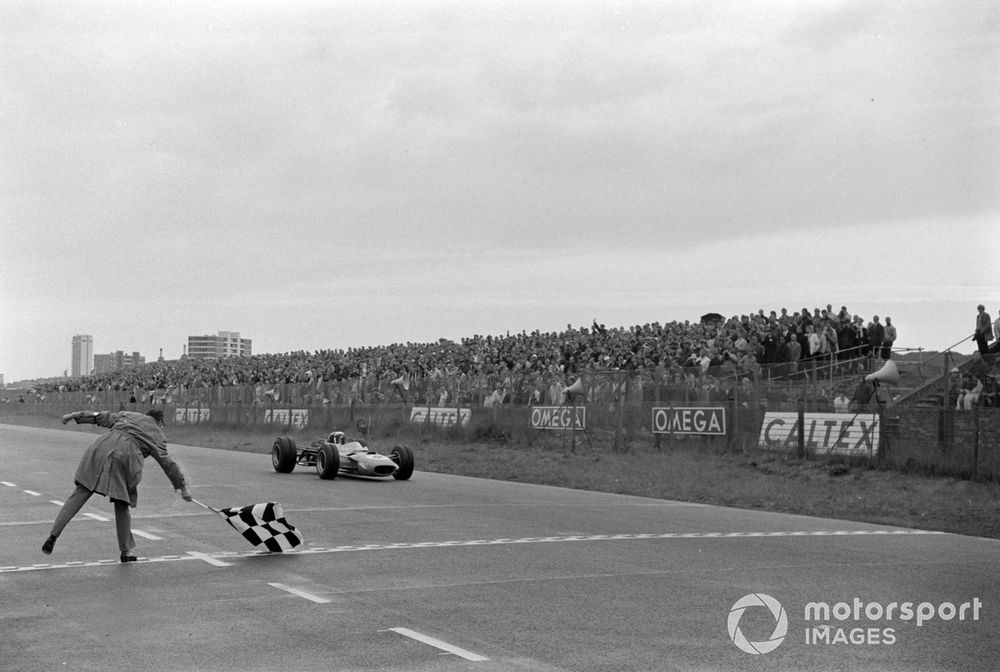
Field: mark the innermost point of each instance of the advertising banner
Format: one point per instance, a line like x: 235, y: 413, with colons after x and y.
x: 559, y: 417
x: 825, y: 433
x: 192, y: 415
x: 446, y: 417
x: 709, y: 420
x: 296, y: 417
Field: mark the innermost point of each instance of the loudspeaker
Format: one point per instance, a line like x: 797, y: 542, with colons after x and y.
x: 575, y: 388
x: 403, y: 381
x: 888, y: 374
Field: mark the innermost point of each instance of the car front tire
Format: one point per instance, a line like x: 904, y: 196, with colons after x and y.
x: 403, y: 457
x: 327, y: 461
x: 283, y: 455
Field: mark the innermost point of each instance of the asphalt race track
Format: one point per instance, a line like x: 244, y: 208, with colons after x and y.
x: 448, y: 573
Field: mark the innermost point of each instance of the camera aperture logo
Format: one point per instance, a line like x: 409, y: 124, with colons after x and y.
x: 780, y: 623
x: 854, y: 622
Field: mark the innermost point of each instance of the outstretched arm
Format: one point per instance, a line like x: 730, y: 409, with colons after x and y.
x: 81, y: 417
x: 172, y: 469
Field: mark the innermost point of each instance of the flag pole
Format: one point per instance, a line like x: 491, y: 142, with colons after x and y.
x: 206, y: 506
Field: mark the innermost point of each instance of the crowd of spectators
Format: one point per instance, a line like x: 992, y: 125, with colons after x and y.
x: 533, y: 365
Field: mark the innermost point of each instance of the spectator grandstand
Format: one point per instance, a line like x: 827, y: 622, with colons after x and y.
x: 942, y: 416
x: 704, y: 360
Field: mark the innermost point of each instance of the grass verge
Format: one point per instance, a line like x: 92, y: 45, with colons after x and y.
x: 688, y: 472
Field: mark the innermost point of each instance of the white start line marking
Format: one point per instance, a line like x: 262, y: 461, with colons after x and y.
x: 438, y: 644
x: 209, y: 559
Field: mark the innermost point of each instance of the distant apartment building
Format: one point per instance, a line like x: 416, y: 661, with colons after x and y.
x: 117, y: 361
x: 83, y: 355
x: 225, y: 344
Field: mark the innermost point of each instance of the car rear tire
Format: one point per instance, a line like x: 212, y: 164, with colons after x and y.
x: 283, y: 455
x: 403, y: 457
x: 327, y: 461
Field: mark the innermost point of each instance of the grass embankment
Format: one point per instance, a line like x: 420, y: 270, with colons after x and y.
x: 686, y: 471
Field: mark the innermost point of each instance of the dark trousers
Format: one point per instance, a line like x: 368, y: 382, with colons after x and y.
x: 75, y: 502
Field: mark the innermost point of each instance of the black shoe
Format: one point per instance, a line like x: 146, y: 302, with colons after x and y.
x: 128, y: 558
x: 48, y: 545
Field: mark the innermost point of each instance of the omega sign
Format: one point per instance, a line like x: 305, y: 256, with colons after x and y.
x: 690, y: 420
x: 558, y: 417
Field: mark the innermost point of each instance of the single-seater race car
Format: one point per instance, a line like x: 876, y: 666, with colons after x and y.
x: 337, y: 455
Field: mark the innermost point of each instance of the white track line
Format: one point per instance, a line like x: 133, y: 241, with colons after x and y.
x: 8, y: 484
x: 300, y: 593
x: 97, y: 517
x: 322, y: 509
x: 438, y: 644
x: 209, y: 559
x: 146, y: 535
x: 32, y: 493
x: 402, y: 546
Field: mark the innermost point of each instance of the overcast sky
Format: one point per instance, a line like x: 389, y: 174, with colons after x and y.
x: 323, y: 175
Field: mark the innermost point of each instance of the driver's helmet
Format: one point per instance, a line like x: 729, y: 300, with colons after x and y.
x: 337, y: 438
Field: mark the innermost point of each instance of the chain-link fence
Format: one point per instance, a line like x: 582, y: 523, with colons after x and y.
x: 946, y: 420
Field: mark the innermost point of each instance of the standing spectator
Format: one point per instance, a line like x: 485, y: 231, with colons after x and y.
x: 861, y: 352
x: 831, y: 340
x: 847, y: 341
x: 876, y: 337
x: 805, y: 319
x: 996, y: 335
x: 794, y: 353
x: 984, y: 330
x: 770, y: 343
x: 814, y: 342
x: 890, y: 338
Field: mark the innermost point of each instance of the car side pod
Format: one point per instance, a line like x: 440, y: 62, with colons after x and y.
x: 283, y: 455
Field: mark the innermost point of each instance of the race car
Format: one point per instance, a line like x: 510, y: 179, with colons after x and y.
x: 337, y: 455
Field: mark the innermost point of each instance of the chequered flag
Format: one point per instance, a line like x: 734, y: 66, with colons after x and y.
x: 264, y: 524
